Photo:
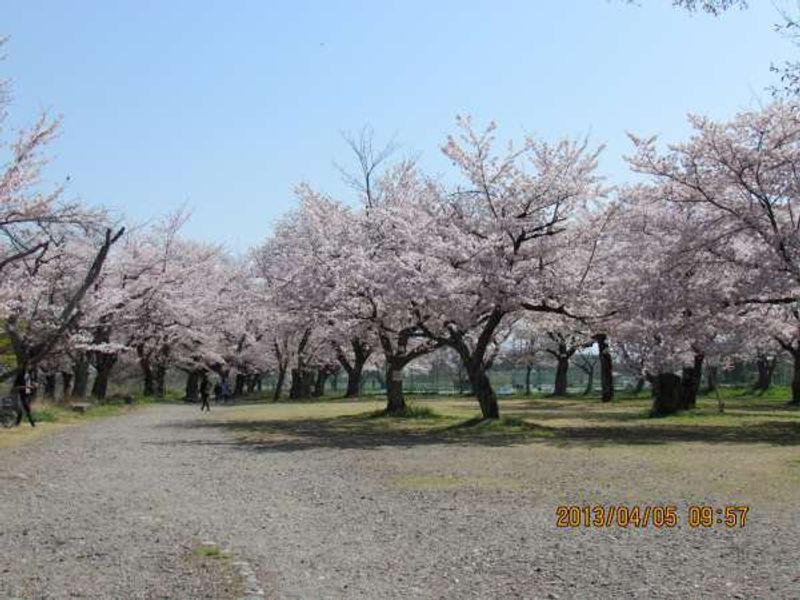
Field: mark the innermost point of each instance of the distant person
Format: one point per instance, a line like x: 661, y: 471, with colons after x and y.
x: 24, y: 387
x: 204, y: 393
x: 225, y: 390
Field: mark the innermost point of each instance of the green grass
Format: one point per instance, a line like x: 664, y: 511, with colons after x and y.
x: 573, y: 449
x: 574, y: 420
x: 411, y: 411
x: 49, y: 417
x: 208, y: 551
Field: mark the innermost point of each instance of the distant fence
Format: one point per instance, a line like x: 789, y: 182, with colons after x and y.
x: 512, y: 380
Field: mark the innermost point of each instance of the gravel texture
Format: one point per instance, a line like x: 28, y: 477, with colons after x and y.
x: 114, y: 508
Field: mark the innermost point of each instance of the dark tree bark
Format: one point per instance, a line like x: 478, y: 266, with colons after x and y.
x: 395, y: 400
x: 302, y: 374
x: 397, y: 355
x: 528, y: 370
x: 354, y: 368
x: 667, y: 394
x: 765, y: 367
x: 80, y: 369
x: 562, y: 369
x: 482, y: 388
x: 323, y: 373
x: 66, y: 384
x: 699, y: 361
x: 238, y: 385
x: 688, y: 393
x: 301, y: 384
x: 672, y: 393
x: 319, y: 383
x: 476, y: 362
x: 149, y: 388
x: 795, y: 401
x: 49, y: 390
x: 606, y: 368
x: 252, y: 380
x: 192, y: 386
x: 104, y: 364
x: 793, y: 349
x: 161, y: 381
x: 282, y: 354
x: 276, y: 394
x: 690, y: 382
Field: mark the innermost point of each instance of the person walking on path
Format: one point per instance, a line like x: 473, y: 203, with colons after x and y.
x: 204, y: 393
x: 24, y: 388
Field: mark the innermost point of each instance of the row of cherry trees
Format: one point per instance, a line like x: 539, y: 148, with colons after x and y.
x: 694, y: 267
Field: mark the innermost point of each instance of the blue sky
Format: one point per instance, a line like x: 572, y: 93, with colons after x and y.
x: 225, y: 106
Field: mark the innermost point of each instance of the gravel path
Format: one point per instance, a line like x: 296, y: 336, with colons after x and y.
x: 112, y: 509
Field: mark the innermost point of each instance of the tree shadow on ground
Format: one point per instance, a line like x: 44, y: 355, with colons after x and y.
x: 366, y: 432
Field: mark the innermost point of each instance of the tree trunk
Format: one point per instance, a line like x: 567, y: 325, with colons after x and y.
x: 161, y: 383
x: 251, y: 382
x: 49, y: 390
x: 688, y: 389
x: 528, y: 369
x: 482, y: 388
x: 80, y: 368
x: 606, y: 368
x: 562, y: 368
x: 104, y: 364
x: 667, y: 394
x: 637, y: 389
x: 319, y: 383
x: 395, y: 401
x: 276, y: 394
x: 795, y: 401
x: 354, y: 380
x: 302, y: 382
x: 238, y: 386
x: 295, y: 385
x: 697, y: 376
x: 589, y: 380
x: 361, y: 353
x: 66, y: 384
x: 765, y: 367
x: 149, y: 382
x: 192, y: 386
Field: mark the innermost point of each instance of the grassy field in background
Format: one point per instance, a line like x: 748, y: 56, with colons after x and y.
x: 751, y: 453
x: 51, y: 417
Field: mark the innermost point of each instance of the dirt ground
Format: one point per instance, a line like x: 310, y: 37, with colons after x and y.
x: 320, y: 501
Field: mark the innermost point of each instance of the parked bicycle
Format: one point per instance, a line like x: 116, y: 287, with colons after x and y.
x: 10, y: 411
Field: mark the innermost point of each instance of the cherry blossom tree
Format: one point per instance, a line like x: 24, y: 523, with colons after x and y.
x: 505, y: 239
x: 739, y: 181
